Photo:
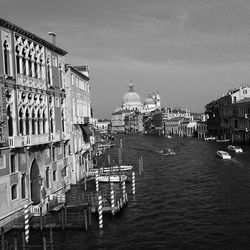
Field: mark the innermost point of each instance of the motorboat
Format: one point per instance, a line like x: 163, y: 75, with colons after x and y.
x: 211, y: 138
x: 169, y: 136
x: 223, y: 154
x: 222, y: 140
x: 117, y: 168
x: 167, y: 151
x: 236, y: 149
x: 111, y: 178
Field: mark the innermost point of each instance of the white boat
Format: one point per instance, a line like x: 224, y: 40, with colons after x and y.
x: 209, y: 138
x: 169, y: 136
x: 236, y: 149
x: 223, y: 154
x: 167, y: 152
x: 223, y: 140
x: 111, y: 178
x: 117, y: 168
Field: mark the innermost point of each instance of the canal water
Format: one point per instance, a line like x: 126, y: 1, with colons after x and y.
x: 191, y: 200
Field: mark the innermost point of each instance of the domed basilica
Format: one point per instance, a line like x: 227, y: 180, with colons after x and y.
x: 132, y: 101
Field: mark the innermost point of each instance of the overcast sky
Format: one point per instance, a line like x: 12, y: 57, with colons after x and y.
x: 191, y: 51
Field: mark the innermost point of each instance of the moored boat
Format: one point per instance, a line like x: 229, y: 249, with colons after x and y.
x: 223, y: 154
x: 111, y: 178
x: 236, y: 149
x: 117, y: 168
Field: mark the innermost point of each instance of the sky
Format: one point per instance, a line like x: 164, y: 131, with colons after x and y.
x: 191, y: 51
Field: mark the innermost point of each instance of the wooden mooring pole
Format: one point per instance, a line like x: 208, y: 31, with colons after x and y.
x: 85, y: 219
x: 44, y: 242
x: 89, y: 210
x: 51, y: 242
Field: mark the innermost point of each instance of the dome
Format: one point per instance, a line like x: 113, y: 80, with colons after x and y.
x: 149, y: 100
x: 131, y: 97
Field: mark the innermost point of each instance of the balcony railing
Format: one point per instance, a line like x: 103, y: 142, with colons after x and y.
x: 37, y: 139
x: 17, y: 141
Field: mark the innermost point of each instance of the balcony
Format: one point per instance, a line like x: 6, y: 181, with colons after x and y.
x: 37, y: 139
x: 17, y: 141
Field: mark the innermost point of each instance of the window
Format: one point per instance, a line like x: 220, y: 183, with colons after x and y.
x: 23, y: 184
x: 53, y: 154
x: 57, y: 102
x: 244, y: 91
x: 14, y: 192
x: 47, y: 177
x: 6, y: 53
x: 54, y: 175
x: 12, y: 164
x: 64, y: 150
x: 54, y: 61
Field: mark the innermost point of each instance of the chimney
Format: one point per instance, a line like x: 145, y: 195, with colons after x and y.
x: 53, y: 37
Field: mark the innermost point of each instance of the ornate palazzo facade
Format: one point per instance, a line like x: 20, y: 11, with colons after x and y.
x: 33, y: 135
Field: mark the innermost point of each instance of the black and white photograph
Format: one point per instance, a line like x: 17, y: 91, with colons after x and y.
x: 124, y: 124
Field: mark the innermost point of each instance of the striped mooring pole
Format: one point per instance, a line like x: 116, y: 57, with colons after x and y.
x: 26, y: 222
x: 96, y: 184
x: 124, y: 192
x: 100, y: 211
x: 133, y: 182
x: 112, y: 194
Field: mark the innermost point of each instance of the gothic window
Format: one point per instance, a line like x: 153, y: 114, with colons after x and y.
x: 51, y: 121
x: 6, y: 54
x: 30, y: 65
x: 10, y: 121
x: 17, y: 61
x: 48, y: 71
x: 24, y: 63
x: 54, y: 175
x: 38, y: 122
x: 35, y: 68
x: 44, y: 122
x: 21, y: 122
x: 63, y: 127
x: 14, y: 192
x: 27, y: 122
x: 33, y: 122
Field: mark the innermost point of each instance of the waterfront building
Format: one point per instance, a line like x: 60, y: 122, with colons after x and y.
x: 118, y: 120
x: 34, y: 139
x: 103, y: 126
x: 241, y: 121
x: 78, y: 113
x: 177, y: 112
x: 133, y: 123
x: 223, y: 121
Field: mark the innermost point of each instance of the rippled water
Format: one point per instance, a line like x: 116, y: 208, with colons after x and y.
x: 192, y: 200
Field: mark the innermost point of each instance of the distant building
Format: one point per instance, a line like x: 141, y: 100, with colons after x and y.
x: 118, y: 120
x: 103, y: 126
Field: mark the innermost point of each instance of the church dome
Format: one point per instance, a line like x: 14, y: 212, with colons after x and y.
x: 149, y: 101
x: 131, y: 97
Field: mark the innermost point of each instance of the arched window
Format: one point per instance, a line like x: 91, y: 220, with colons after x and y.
x: 24, y: 63
x: 14, y: 192
x: 17, y: 60
x: 44, y: 122
x: 27, y: 122
x: 30, y: 65
x: 10, y: 121
x: 48, y: 71
x: 51, y: 121
x: 38, y: 122
x: 33, y: 122
x: 6, y: 54
x: 21, y: 121
x: 63, y: 127
x: 54, y: 175
x: 35, y: 68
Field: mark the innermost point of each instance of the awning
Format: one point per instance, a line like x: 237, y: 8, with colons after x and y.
x: 86, y: 130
